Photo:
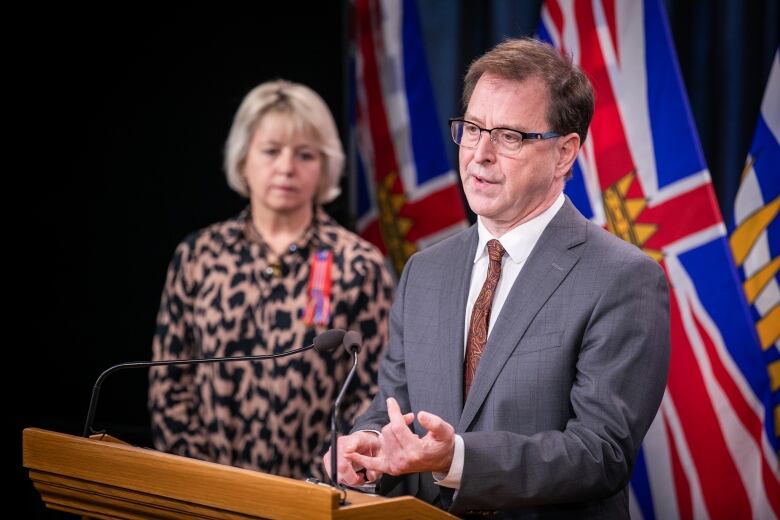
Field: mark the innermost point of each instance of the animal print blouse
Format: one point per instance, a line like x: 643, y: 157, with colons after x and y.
x: 227, y: 295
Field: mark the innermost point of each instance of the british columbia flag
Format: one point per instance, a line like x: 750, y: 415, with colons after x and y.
x: 407, y: 193
x: 712, y: 451
x: 755, y: 231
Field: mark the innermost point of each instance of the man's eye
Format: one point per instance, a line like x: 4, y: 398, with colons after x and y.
x: 509, y: 137
x: 470, y: 129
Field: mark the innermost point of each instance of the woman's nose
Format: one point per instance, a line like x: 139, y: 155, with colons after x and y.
x: 285, y: 162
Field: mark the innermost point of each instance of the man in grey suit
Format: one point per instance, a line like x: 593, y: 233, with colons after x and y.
x: 528, y: 354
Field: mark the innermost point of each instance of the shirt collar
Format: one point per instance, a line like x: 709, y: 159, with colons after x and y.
x: 520, y: 240
x: 319, y: 234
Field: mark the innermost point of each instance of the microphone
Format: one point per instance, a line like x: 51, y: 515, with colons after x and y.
x: 352, y: 342
x: 327, y: 341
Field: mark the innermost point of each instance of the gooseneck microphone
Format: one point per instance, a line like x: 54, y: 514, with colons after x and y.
x: 352, y: 343
x: 324, y: 342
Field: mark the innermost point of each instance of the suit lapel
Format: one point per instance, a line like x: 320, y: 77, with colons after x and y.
x: 453, y: 296
x: 549, y: 263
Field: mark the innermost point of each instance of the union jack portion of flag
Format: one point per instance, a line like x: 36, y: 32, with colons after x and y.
x: 406, y: 191
x: 712, y: 450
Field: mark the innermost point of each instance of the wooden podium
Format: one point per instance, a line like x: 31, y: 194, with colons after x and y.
x: 110, y: 479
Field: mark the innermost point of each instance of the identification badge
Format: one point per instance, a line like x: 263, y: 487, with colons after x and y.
x: 318, y: 299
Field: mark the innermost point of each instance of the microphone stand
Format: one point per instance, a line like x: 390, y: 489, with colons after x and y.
x: 324, y: 342
x: 352, y: 343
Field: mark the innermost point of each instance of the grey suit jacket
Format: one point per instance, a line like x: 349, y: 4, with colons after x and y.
x: 571, y: 377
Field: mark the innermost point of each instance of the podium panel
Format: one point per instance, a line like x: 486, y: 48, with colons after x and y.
x: 105, y: 478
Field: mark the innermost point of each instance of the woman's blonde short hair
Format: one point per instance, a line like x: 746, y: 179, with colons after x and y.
x: 307, y: 113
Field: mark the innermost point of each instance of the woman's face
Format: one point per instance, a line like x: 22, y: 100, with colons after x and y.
x: 282, y: 168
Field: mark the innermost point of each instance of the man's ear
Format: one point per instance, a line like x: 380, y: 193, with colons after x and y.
x: 568, y: 146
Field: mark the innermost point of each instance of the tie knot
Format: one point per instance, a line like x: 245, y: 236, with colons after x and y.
x: 495, y: 250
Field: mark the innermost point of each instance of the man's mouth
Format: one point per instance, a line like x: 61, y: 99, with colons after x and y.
x: 479, y: 179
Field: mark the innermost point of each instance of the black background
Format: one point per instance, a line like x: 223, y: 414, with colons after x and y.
x: 118, y: 127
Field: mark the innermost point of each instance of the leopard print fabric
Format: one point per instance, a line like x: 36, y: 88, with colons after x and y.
x: 227, y: 295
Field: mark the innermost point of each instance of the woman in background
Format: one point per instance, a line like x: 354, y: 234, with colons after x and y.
x: 268, y: 281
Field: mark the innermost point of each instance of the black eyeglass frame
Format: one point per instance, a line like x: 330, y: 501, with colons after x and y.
x: 536, y: 136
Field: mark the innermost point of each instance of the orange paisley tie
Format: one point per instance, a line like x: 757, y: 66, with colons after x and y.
x: 480, y: 316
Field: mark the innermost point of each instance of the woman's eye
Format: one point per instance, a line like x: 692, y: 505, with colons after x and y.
x: 271, y: 151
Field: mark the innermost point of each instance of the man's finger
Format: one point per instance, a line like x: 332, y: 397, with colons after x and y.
x: 346, y: 472
x: 438, y: 428
x: 399, y: 424
x: 393, y: 409
x: 363, y: 442
x: 371, y: 464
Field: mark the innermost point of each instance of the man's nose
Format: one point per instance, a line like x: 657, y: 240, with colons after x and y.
x: 485, y: 150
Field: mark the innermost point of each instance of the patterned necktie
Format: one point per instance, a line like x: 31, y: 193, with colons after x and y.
x: 480, y: 316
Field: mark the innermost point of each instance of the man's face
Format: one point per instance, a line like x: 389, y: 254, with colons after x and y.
x: 509, y: 190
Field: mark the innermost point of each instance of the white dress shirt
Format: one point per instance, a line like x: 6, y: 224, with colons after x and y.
x: 518, y: 243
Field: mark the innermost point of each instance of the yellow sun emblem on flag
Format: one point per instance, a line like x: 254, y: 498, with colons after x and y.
x: 392, y: 226
x: 621, y: 213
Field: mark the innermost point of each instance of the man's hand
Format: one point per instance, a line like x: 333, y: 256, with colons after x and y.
x: 365, y: 443
x: 400, y: 451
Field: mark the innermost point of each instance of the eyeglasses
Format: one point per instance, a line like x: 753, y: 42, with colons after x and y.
x: 505, y: 140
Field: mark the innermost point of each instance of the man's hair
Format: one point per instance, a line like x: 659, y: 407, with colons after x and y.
x: 570, y: 93
x: 306, y: 112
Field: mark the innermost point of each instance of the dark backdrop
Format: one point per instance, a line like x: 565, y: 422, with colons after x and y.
x: 116, y: 130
